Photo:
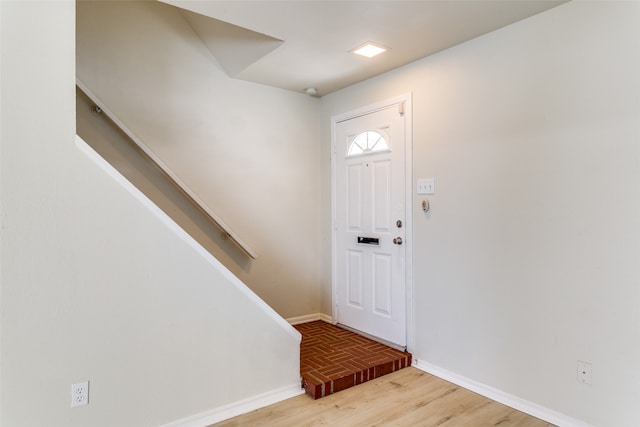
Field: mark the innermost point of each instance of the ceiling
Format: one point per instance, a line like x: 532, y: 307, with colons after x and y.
x: 295, y: 45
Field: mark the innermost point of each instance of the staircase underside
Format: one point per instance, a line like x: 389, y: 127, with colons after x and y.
x: 333, y: 359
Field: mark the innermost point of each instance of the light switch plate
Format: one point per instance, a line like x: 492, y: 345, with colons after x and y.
x: 426, y: 186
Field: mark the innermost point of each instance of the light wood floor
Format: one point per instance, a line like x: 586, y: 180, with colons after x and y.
x: 408, y: 397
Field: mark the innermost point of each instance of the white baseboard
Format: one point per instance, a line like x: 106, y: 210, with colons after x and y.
x: 310, y: 318
x: 222, y: 413
x: 514, y: 402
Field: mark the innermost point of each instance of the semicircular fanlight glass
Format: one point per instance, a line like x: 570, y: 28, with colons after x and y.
x: 367, y: 142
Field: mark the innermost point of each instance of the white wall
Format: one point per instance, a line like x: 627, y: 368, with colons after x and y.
x: 527, y: 263
x: 250, y: 152
x: 1, y: 120
x: 529, y: 260
x: 96, y: 283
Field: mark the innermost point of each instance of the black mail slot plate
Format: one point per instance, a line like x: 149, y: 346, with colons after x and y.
x: 368, y: 240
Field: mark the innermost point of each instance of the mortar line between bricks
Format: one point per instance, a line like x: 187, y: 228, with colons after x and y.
x: 349, y: 358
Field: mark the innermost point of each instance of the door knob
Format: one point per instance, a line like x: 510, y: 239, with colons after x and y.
x: 397, y: 241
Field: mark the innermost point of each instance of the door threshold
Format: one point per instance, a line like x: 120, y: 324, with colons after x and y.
x: 374, y: 338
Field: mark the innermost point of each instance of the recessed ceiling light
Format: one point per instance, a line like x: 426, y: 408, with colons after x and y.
x: 369, y: 49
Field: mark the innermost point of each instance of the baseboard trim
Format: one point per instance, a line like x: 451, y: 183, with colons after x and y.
x: 310, y: 318
x: 514, y: 402
x: 238, y: 408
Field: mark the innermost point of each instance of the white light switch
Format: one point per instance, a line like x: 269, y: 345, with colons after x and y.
x: 426, y: 186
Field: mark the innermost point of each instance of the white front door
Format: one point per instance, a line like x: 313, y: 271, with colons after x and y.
x: 370, y: 223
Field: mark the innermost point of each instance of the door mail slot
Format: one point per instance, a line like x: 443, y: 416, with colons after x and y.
x: 368, y: 240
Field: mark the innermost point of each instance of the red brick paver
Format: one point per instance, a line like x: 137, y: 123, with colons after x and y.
x: 333, y: 359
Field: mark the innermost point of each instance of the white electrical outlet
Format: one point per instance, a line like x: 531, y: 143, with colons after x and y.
x: 80, y: 394
x: 584, y: 372
x: 426, y: 186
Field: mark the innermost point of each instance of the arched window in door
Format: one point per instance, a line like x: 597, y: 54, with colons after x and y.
x: 367, y: 142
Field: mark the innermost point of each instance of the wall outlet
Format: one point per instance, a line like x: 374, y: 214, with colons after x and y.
x: 584, y: 372
x: 80, y: 394
x: 426, y: 186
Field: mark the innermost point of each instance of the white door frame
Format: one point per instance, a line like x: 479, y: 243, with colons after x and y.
x: 406, y: 101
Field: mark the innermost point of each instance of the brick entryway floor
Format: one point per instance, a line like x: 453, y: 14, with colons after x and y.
x: 334, y: 359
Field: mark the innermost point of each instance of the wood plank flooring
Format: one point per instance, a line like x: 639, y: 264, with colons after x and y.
x: 408, y: 397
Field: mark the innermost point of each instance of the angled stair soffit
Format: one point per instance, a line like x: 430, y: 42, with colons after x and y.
x: 235, y: 48
x: 320, y: 35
